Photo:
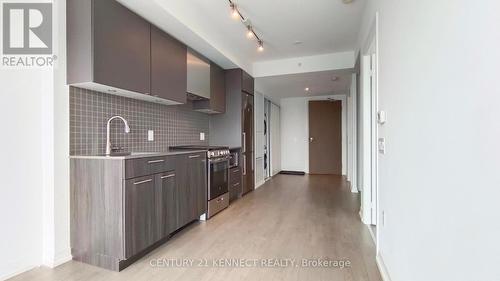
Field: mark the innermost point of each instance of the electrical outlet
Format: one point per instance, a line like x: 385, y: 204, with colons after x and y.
x: 202, y: 136
x: 151, y: 135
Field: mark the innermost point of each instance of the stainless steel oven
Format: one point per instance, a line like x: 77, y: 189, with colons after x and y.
x: 218, y: 177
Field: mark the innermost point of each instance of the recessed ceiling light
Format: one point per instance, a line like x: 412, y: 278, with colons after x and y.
x: 297, y: 42
x: 306, y: 89
x: 335, y: 78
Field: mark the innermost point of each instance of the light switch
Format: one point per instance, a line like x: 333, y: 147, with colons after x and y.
x: 381, y: 145
x: 382, y: 117
x: 202, y: 136
x: 151, y: 135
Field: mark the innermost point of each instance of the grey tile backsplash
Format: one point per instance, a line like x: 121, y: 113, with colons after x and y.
x: 172, y: 125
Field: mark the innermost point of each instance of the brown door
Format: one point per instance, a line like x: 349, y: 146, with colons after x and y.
x: 325, y: 137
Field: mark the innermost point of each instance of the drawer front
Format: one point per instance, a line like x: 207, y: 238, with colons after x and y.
x: 234, y: 175
x: 235, y: 191
x: 148, y: 166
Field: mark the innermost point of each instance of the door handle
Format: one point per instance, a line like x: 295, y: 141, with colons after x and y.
x: 311, y: 139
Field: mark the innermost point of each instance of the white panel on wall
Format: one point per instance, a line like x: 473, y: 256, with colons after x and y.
x: 259, y: 138
x: 259, y: 172
x: 275, y: 131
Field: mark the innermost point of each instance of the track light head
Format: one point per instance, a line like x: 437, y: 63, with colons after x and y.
x: 250, y: 32
x: 261, y: 46
x: 234, y: 11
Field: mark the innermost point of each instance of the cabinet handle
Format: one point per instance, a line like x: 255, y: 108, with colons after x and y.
x: 236, y: 184
x: 169, y: 176
x: 236, y: 171
x: 194, y: 156
x: 141, y: 182
x: 155, y: 161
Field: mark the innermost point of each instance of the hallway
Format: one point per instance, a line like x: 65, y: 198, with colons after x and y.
x: 289, y: 217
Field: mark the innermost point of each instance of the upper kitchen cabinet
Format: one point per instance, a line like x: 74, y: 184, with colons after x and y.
x: 168, y: 66
x: 247, y: 82
x: 110, y: 50
x: 217, y: 101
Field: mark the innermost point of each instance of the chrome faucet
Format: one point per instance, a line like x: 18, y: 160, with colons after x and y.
x: 108, y: 142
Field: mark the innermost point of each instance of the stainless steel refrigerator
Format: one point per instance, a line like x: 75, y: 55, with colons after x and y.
x: 247, y: 149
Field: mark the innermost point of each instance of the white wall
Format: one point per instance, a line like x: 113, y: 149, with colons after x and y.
x: 21, y: 169
x: 34, y: 204
x: 439, y: 180
x: 294, y: 115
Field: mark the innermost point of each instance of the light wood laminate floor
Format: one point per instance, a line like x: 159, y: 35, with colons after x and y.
x: 289, y: 217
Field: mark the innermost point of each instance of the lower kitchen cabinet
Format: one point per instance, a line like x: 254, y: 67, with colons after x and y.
x: 191, y: 187
x: 116, y: 219
x: 166, y: 192
x: 142, y: 228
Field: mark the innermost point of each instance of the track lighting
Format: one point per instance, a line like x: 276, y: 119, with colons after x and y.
x: 235, y: 13
x: 250, y: 32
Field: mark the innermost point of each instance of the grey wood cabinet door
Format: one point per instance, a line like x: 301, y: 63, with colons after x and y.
x: 247, y: 83
x: 182, y: 195
x: 168, y: 66
x: 121, y: 47
x: 166, y: 203
x: 191, y: 196
x: 197, y: 185
x: 217, y: 89
x: 141, y: 226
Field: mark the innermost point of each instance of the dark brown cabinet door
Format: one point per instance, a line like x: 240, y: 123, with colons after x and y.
x: 168, y: 67
x: 166, y: 203
x: 121, y: 47
x: 247, y: 82
x: 141, y: 226
x: 217, y: 88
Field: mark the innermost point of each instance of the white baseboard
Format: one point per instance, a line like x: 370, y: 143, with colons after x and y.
x: 59, y: 258
x: 382, y: 268
x: 16, y: 272
x: 258, y: 184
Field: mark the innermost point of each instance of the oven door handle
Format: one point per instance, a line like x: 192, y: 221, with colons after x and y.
x: 218, y: 160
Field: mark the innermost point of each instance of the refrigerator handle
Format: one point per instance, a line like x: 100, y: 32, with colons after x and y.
x: 244, y: 142
x: 244, y: 164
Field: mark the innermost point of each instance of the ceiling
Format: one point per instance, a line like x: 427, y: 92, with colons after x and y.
x: 293, y: 85
x: 323, y: 26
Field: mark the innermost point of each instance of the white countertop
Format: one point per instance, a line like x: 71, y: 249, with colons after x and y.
x: 136, y: 155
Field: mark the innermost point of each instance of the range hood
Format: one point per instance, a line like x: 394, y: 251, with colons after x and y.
x: 198, y: 78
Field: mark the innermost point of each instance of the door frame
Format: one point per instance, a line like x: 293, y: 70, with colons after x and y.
x: 370, y: 213
x: 342, y: 98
